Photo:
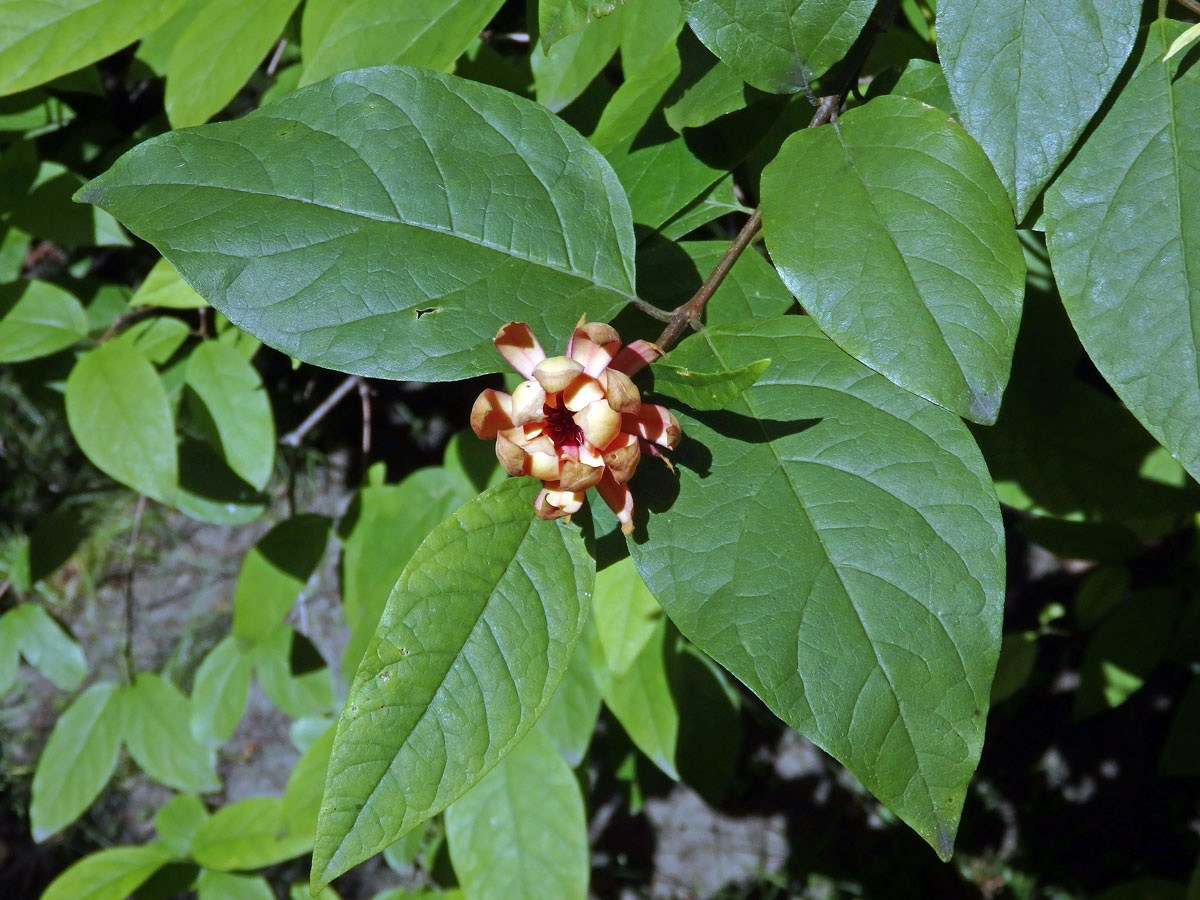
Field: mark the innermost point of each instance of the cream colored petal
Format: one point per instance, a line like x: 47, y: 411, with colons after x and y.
x: 519, y: 347
x: 654, y: 423
x: 623, y: 395
x: 491, y: 413
x: 581, y: 391
x: 619, y: 499
x: 556, y: 372
x: 622, y: 457
x: 528, y: 403
x: 577, y: 476
x: 599, y: 423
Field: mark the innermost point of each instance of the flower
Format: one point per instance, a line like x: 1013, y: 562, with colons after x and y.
x: 577, y: 421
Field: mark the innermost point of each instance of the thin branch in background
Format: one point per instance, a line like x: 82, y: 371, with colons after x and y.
x: 275, y: 57
x: 364, y: 396
x: 294, y: 437
x: 129, y: 573
x: 688, y: 314
x: 127, y: 319
x: 1190, y: 4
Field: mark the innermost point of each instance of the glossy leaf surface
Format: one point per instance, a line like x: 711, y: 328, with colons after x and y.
x: 324, y: 222
x: 836, y: 544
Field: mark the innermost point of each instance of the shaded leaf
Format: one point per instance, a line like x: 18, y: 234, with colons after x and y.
x: 293, y: 674
x: 562, y: 72
x: 641, y: 700
x: 707, y: 390
x: 1128, y: 644
x: 570, y: 719
x: 274, y: 573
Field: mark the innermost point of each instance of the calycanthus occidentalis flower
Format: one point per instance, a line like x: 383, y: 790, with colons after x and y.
x: 577, y: 421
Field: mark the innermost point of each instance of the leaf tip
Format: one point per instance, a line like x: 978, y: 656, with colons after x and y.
x: 943, y: 840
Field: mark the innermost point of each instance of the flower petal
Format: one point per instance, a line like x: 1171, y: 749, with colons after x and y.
x: 516, y: 343
x: 619, y: 499
x: 528, y: 403
x: 554, y: 503
x: 556, y: 372
x: 654, y: 423
x: 510, y: 454
x: 583, y: 390
x: 491, y: 413
x: 578, y: 476
x: 599, y: 422
x: 622, y: 456
x: 633, y: 357
x: 594, y: 345
x: 623, y: 395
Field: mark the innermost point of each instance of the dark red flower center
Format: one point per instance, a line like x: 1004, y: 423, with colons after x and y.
x: 561, y: 427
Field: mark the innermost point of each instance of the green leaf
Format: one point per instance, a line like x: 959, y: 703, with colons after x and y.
x: 379, y: 533
x: 47, y: 212
x: 159, y: 739
x: 47, y: 646
x: 119, y: 415
x: 34, y: 113
x: 707, y: 390
x: 559, y: 18
x: 709, y: 722
x: 10, y: 654
x: 210, y: 491
x: 302, y: 797
x: 248, y: 834
x: 40, y: 41
x: 718, y: 201
x: 641, y: 700
x: 431, y: 34
x: 219, y: 693
x: 778, y: 47
x: 570, y: 719
x: 274, y: 573
x: 648, y: 26
x: 874, y: 509
x: 217, y: 52
x: 1118, y: 226
x: 520, y: 834
x: 925, y: 81
x: 1182, y: 42
x: 78, y: 760
x: 177, y: 821
x: 669, y: 273
x: 892, y: 230
x: 233, y: 410
x: 109, y: 874
x: 474, y: 640
x: 37, y: 319
x: 625, y: 614
x: 1028, y: 75
x: 157, y: 337
x: 1018, y: 653
x: 293, y: 674
x: 409, y: 214
x: 717, y: 92
x: 164, y: 287
x: 563, y: 72
x: 225, y: 886
x: 1128, y: 644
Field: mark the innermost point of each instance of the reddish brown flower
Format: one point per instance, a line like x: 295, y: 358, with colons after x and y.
x: 578, y: 421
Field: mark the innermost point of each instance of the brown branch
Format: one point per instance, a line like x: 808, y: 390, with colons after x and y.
x: 1191, y: 4
x: 364, y: 396
x: 688, y: 315
x: 297, y: 434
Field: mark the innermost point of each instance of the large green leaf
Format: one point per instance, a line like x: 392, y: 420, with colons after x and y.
x: 36, y: 319
x: 835, y: 543
x: 79, y: 758
x: 274, y: 573
x: 120, y: 417
x: 640, y: 698
x: 227, y: 886
x: 40, y: 41
x: 570, y: 719
x: 109, y: 874
x: 248, y: 834
x: 158, y: 737
x: 337, y: 35
x: 1028, y: 75
x: 1121, y: 226
x: 559, y: 18
x: 233, y: 410
x: 894, y: 233
x: 385, y: 222
x: 520, y: 834
x: 473, y: 642
x: 779, y: 47
x: 625, y: 614
x: 215, y: 54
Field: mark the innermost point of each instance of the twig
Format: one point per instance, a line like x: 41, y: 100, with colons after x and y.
x: 296, y: 435
x: 1192, y: 5
x: 127, y: 319
x: 364, y: 396
x: 129, y: 572
x: 688, y: 315
x: 274, y: 63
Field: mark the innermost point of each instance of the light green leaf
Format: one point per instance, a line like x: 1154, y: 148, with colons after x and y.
x: 474, y: 640
x: 109, y: 874
x: 158, y: 738
x: 36, y: 319
x: 1124, y: 249
x: 226, y: 886
x: 293, y: 674
x: 570, y: 718
x: 248, y: 834
x: 177, y: 821
x: 217, y: 52
x: 836, y: 545
x: 648, y: 26
x: 10, y: 654
x: 778, y: 47
x: 119, y: 415
x: 715, y: 93
x: 302, y: 797
x: 625, y: 614
x: 164, y: 287
x: 641, y: 700
x: 210, y: 491
x: 219, y: 693
x: 233, y: 410
x: 274, y: 573
x: 157, y: 337
x: 46, y: 646
x: 154, y: 49
x: 894, y: 233
x: 706, y: 390
x: 1182, y: 42
x: 559, y: 18
x: 1028, y: 75
x: 78, y: 760
x: 382, y: 528
x: 563, y: 72
x: 34, y: 113
x: 40, y: 41
x: 339, y: 35
x: 520, y: 833
x: 718, y: 201
x: 471, y: 465
x: 432, y: 193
